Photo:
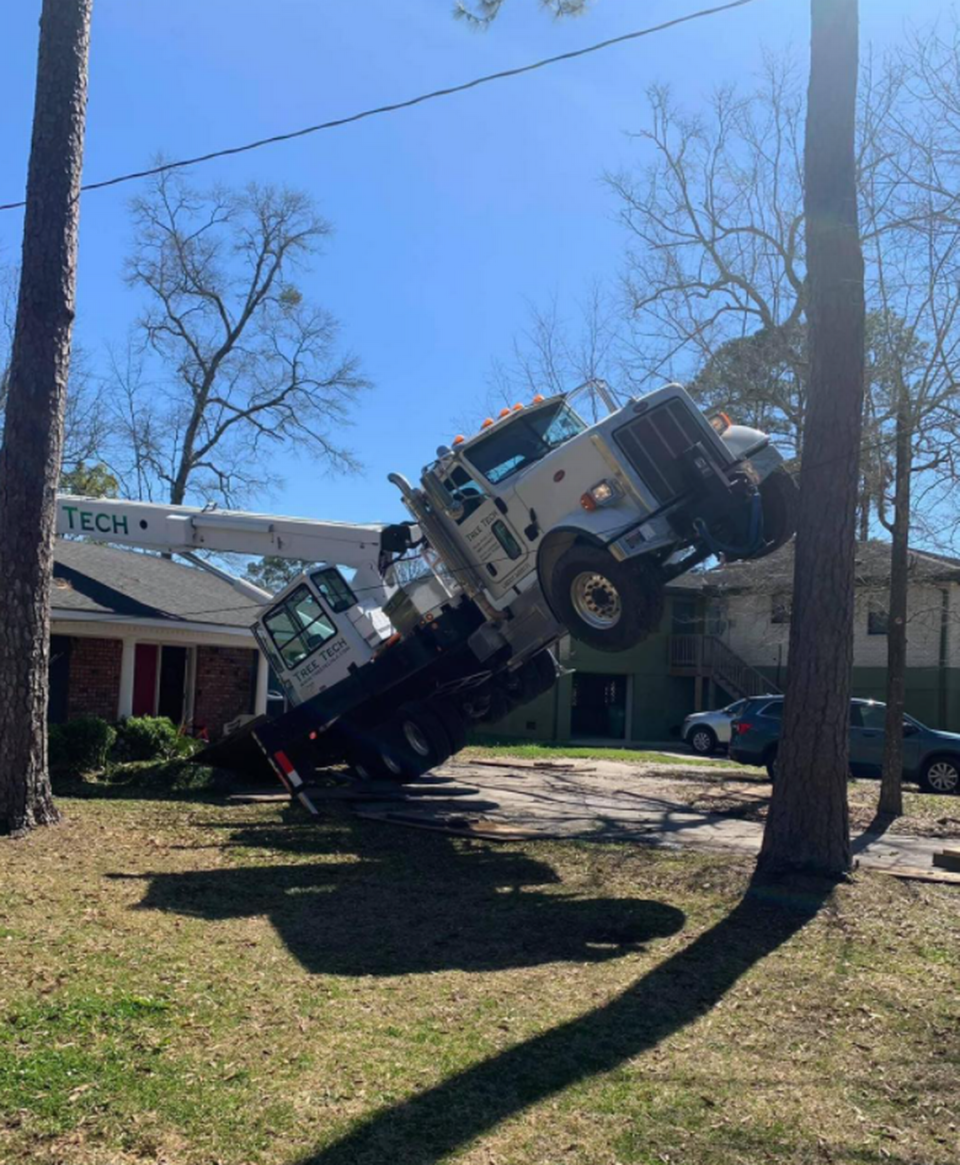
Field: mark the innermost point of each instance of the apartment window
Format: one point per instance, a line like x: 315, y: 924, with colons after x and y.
x: 878, y: 622
x: 780, y: 609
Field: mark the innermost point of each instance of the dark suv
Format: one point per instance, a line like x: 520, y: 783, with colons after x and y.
x: 930, y: 757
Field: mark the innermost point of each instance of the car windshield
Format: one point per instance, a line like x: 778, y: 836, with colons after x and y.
x: 524, y: 439
x: 735, y: 707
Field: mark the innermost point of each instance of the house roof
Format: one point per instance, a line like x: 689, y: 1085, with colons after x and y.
x: 104, y: 580
x: 775, y: 573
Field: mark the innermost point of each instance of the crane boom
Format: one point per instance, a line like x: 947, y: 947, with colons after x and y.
x: 181, y: 529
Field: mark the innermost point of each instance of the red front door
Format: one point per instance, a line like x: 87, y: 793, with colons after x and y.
x: 145, y: 679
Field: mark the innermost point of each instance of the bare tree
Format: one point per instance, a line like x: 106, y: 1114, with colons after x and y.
x: 913, y: 249
x: 555, y: 353
x: 246, y: 367
x: 809, y: 822
x: 36, y: 396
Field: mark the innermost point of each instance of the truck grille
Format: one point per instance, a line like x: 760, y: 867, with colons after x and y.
x: 654, y: 442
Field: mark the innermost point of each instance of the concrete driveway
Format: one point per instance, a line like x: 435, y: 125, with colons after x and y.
x: 595, y: 801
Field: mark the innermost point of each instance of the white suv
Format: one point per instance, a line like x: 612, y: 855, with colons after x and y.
x: 705, y: 731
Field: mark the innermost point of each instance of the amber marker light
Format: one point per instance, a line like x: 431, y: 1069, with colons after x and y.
x: 487, y: 423
x: 504, y: 413
x: 517, y: 408
x: 459, y: 439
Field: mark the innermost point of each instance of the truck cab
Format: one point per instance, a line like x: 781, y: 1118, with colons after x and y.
x: 599, y: 516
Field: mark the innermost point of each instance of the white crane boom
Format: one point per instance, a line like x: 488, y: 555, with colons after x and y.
x: 182, y: 529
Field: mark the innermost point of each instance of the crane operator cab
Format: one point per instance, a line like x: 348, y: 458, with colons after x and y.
x: 317, y: 631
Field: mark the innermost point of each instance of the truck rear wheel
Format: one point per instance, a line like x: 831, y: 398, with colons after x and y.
x: 532, y: 679
x: 454, y: 723
x: 414, y: 742
x: 606, y: 604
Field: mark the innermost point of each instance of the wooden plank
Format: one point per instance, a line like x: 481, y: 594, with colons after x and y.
x: 918, y: 874
x: 458, y: 826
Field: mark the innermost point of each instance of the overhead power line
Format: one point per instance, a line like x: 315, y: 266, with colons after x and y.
x: 503, y: 74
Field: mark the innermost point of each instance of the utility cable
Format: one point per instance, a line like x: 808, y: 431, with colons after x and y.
x: 503, y: 74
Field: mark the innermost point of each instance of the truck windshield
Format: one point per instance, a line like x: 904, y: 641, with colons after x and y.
x: 524, y: 439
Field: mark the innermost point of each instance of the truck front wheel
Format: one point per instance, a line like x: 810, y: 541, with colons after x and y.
x: 779, y: 499
x: 606, y: 604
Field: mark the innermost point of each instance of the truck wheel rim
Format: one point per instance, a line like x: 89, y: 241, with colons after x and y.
x: 415, y: 738
x: 943, y: 776
x: 701, y: 742
x: 596, y: 600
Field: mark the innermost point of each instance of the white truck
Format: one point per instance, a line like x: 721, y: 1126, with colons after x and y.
x: 537, y: 526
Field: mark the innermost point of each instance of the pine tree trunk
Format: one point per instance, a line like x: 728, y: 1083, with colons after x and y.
x: 808, y: 827
x: 891, y: 786
x: 33, y: 428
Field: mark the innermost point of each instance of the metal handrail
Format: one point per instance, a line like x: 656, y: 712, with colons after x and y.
x: 713, y: 658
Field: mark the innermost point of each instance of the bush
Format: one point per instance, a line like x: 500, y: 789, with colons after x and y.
x: 81, y: 745
x: 151, y: 738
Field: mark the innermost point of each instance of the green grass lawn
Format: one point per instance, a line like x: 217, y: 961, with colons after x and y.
x: 191, y: 983
x: 490, y: 750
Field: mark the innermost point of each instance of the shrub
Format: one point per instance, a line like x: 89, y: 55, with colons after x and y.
x: 150, y: 738
x: 81, y: 745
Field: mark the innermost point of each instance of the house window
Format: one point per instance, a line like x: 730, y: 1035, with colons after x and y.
x: 685, y: 617
x: 878, y: 622
x: 780, y: 609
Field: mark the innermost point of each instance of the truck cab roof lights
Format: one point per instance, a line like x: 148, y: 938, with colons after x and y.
x: 459, y: 439
x: 539, y: 399
x: 504, y: 413
x: 517, y: 408
x: 487, y: 423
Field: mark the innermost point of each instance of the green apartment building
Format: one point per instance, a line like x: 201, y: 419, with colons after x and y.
x: 725, y: 634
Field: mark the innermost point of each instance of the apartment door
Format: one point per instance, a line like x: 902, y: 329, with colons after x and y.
x: 599, y: 707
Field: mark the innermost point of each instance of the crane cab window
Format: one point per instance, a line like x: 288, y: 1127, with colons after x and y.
x: 464, y: 491
x: 334, y: 588
x: 298, y: 626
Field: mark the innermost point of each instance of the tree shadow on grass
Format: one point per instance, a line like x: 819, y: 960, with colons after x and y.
x: 427, y: 1128
x: 383, y: 901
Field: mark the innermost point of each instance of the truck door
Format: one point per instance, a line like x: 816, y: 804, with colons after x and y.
x: 310, y: 648
x: 486, y: 531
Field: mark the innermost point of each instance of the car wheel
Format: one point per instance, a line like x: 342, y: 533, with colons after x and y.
x: 702, y: 740
x: 941, y: 775
x: 772, y: 763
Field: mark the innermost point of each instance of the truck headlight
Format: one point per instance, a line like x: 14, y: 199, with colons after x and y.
x: 604, y: 493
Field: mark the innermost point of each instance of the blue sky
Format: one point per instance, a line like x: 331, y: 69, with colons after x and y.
x: 449, y: 218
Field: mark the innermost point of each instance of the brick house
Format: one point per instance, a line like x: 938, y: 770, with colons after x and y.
x: 135, y: 634
x: 725, y: 634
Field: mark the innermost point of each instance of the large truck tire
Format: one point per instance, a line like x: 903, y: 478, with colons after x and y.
x: 414, y: 741
x: 533, y: 678
x: 779, y: 500
x: 606, y: 604
x: 454, y: 722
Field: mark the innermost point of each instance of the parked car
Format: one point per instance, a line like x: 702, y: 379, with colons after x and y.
x: 930, y: 757
x: 704, y: 732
